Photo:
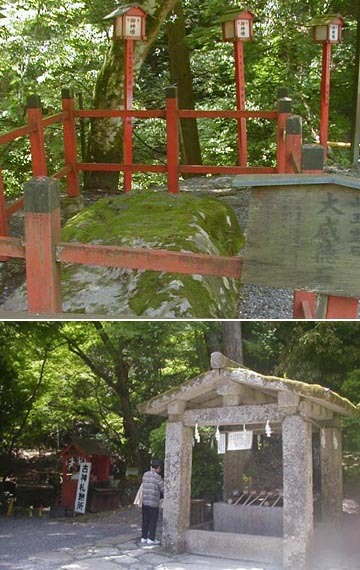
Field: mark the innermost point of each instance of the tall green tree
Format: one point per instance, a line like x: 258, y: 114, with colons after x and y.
x: 181, y: 76
x: 106, y: 134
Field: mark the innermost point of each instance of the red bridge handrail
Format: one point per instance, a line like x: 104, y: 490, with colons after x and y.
x: 149, y: 259
x: 16, y: 133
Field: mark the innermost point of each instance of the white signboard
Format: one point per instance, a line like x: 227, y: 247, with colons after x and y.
x: 243, y: 28
x: 133, y: 26
x: 239, y: 440
x: 82, y: 488
x: 221, y: 444
x: 334, y: 33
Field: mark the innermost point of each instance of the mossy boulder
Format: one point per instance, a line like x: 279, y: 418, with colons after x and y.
x: 158, y: 220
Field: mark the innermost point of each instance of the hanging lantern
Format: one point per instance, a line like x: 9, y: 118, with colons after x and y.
x: 129, y: 22
x: 327, y: 28
x: 237, y: 26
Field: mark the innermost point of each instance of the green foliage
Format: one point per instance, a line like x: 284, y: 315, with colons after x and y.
x: 47, y: 45
x: 60, y: 380
x: 205, y: 484
x: 157, y: 441
x: 12, y: 401
x: 319, y: 350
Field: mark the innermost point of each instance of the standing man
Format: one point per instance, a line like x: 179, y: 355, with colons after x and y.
x: 153, y: 489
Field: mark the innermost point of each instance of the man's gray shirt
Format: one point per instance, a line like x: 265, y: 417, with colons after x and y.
x: 153, y: 485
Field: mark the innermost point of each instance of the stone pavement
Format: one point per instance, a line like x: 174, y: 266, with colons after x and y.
x: 124, y: 553
x: 111, y: 542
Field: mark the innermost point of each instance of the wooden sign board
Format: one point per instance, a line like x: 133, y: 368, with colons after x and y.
x: 304, y: 237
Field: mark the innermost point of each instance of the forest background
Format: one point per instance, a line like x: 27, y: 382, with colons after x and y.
x: 47, y: 45
x: 63, y: 380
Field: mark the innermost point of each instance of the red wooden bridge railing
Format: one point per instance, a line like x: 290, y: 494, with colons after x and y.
x: 43, y: 252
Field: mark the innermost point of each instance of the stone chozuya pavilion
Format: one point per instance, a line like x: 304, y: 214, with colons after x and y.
x: 230, y: 395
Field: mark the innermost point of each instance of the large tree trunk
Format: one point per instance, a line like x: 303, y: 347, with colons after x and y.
x: 106, y: 134
x: 181, y: 76
x: 232, y: 339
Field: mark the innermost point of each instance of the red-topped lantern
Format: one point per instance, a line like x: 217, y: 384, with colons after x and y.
x: 129, y: 25
x: 129, y: 22
x: 327, y: 28
x: 326, y: 31
x: 237, y: 26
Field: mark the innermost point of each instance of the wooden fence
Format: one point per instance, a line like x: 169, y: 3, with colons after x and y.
x: 44, y: 252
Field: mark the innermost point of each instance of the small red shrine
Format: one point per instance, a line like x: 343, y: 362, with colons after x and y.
x: 89, y: 451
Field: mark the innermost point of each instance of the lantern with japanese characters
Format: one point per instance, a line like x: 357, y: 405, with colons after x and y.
x: 326, y: 31
x: 129, y: 26
x: 237, y: 26
x: 129, y: 22
x: 327, y: 28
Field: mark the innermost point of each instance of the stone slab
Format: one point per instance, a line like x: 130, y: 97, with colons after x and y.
x: 304, y: 238
x: 250, y: 180
x: 91, y: 564
x: 253, y: 519
x: 229, y: 545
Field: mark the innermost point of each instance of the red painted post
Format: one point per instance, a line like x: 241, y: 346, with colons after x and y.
x: 341, y: 308
x: 37, y: 145
x: 240, y: 100
x: 70, y: 143
x: 42, y: 233
x: 284, y: 110
x: 293, y: 143
x: 303, y: 305
x: 172, y: 140
x: 325, y: 96
x: 128, y: 103
x: 4, y: 226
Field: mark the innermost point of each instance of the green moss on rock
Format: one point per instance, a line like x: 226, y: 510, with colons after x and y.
x: 180, y: 222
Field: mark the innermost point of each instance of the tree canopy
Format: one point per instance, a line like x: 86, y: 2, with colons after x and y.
x: 47, y: 45
x: 60, y: 380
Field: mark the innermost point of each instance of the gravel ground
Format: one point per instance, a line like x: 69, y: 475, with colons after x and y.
x: 21, y: 538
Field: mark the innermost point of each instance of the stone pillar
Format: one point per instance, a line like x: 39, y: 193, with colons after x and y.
x: 331, y: 474
x: 178, y: 463
x: 298, y: 491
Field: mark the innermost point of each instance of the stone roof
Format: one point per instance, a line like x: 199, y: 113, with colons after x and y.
x: 228, y: 377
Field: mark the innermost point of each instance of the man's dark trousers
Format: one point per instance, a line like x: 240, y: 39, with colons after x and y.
x: 149, y: 521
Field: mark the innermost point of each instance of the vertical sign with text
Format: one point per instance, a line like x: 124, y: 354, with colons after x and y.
x: 82, y: 488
